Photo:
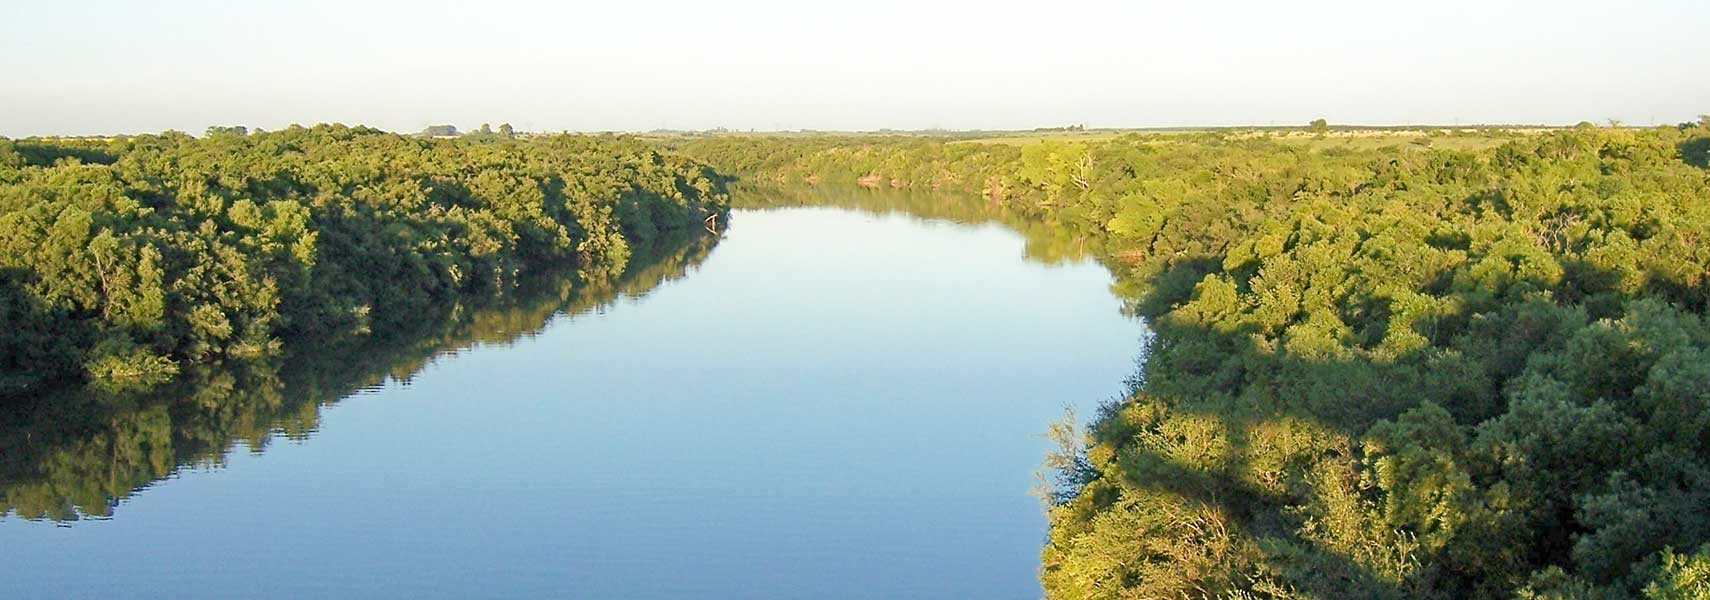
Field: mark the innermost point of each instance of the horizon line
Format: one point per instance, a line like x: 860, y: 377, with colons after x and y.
x: 1077, y: 128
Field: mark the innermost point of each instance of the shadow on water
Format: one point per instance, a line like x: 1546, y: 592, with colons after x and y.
x: 78, y: 453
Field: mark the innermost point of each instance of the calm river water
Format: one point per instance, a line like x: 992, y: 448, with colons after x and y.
x: 829, y: 403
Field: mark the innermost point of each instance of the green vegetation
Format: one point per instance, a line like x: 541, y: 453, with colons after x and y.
x: 1432, y: 364
x: 125, y: 260
x: 1377, y: 372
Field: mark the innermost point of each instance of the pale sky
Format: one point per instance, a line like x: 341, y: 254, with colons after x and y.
x: 102, y: 66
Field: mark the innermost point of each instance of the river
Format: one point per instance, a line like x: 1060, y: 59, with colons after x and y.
x: 828, y: 403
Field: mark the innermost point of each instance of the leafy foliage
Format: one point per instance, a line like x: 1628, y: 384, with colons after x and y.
x: 1389, y: 372
x: 123, y: 260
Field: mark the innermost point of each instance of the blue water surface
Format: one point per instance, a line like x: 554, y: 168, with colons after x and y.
x: 834, y: 404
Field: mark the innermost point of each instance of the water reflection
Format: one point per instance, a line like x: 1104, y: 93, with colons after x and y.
x: 838, y: 404
x: 79, y: 453
x: 1046, y: 243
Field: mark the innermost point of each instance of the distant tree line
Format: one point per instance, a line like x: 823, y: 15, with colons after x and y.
x: 485, y: 131
x: 440, y: 131
x: 1402, y: 372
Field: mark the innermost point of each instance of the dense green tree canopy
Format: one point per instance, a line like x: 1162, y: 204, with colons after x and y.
x: 1429, y: 367
x: 122, y: 260
x: 1394, y: 371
